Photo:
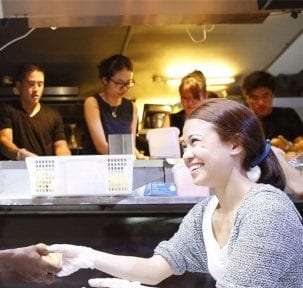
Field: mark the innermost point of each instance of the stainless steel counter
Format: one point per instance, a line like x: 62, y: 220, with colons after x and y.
x: 15, y: 196
x: 98, y: 205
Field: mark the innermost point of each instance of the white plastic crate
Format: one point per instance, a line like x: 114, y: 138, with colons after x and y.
x: 104, y: 175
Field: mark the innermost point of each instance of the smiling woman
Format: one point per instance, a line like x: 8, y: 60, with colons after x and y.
x: 244, y: 226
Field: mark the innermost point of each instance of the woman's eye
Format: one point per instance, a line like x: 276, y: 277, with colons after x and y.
x: 193, y: 141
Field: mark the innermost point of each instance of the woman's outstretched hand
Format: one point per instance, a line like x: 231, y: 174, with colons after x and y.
x: 74, y: 258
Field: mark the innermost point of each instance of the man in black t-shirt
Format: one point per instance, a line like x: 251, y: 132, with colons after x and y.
x: 259, y: 88
x: 29, y: 128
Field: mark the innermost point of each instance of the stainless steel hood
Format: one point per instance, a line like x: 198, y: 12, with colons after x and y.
x: 77, y: 13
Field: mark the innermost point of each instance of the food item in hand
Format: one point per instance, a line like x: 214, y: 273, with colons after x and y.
x: 53, y: 258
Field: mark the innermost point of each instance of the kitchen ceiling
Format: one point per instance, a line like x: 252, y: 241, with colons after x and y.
x: 155, y: 34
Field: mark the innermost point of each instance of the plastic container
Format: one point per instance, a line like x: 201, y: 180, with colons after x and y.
x: 163, y: 142
x: 104, y: 175
x: 184, y: 183
x: 160, y: 189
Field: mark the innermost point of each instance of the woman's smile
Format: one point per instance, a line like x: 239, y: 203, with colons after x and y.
x: 195, y: 168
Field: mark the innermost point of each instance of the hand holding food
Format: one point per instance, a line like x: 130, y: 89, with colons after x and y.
x: 74, y: 258
x: 28, y: 263
x: 53, y: 258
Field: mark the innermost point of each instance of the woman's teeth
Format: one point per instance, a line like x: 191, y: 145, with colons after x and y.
x: 195, y: 167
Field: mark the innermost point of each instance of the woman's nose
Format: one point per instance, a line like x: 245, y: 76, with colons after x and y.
x: 187, y: 154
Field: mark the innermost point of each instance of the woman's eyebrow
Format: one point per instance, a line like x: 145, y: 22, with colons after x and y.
x: 195, y: 135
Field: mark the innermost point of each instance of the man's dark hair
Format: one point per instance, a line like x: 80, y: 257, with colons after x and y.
x: 26, y: 68
x: 256, y: 80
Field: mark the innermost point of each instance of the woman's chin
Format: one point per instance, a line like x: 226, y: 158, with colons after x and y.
x: 199, y: 181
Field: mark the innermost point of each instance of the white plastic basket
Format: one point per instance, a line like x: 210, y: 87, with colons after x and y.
x: 104, y: 175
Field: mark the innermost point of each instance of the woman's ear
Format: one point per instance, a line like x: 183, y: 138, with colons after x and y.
x: 236, y: 148
x: 104, y: 81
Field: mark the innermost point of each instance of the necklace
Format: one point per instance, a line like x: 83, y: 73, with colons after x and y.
x: 114, y: 111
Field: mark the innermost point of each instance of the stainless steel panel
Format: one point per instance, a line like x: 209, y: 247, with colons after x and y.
x: 120, y: 144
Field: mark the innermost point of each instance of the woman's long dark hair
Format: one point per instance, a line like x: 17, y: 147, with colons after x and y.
x: 234, y: 121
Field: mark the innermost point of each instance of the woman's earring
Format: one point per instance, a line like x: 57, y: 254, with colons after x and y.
x: 254, y: 173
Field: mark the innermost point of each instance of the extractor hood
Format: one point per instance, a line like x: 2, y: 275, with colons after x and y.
x: 81, y: 13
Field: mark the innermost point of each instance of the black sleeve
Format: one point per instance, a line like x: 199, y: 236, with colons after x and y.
x: 5, y: 119
x: 296, y: 124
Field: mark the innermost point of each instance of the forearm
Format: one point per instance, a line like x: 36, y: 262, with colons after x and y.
x: 99, y: 141
x: 61, y: 148
x: 63, y: 152
x: 9, y: 149
x: 133, y: 268
x: 13, y: 152
x: 102, y: 148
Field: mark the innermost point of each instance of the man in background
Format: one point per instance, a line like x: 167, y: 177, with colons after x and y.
x: 258, y: 88
x: 29, y: 128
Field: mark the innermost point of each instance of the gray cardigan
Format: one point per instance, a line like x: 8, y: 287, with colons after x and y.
x: 265, y: 247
